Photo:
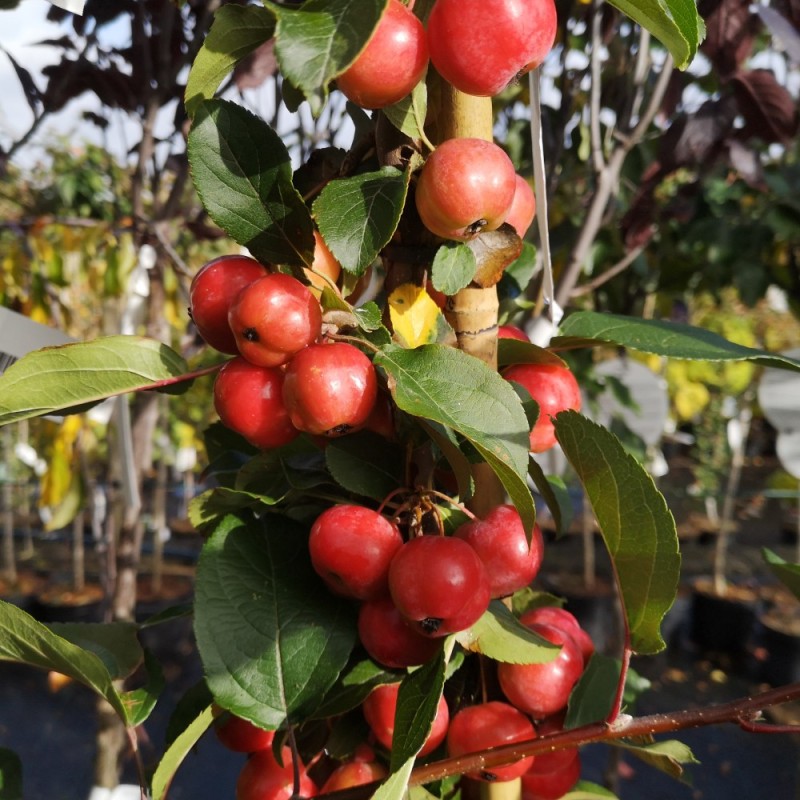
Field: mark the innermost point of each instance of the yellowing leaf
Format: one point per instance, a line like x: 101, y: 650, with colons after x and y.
x: 690, y: 399
x: 414, y: 315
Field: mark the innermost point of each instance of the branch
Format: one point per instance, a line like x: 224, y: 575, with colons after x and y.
x: 610, y: 273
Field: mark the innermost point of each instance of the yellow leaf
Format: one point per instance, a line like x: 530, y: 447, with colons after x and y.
x: 690, y: 399
x: 414, y: 315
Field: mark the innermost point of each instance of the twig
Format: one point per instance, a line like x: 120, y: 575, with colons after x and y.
x: 610, y: 273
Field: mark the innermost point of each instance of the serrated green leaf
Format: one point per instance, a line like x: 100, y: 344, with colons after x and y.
x: 365, y: 464
x: 243, y: 174
x: 518, y: 274
x: 408, y: 115
x: 235, y: 33
x: 26, y: 641
x: 272, y: 639
x: 10, y: 775
x: 320, y: 39
x: 455, y: 389
x: 555, y: 493
x: 664, y: 338
x: 358, y: 216
x: 668, y: 756
x: 59, y: 378
x: 592, y: 699
x: 635, y: 522
x: 180, y: 747
x: 787, y: 573
x: 675, y: 23
x: 446, y: 440
x: 115, y: 643
x: 453, y: 267
x: 499, y: 635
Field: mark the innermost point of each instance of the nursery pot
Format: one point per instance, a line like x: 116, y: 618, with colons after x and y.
x: 722, y: 623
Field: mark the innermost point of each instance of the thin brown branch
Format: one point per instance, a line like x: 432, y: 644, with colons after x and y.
x: 610, y: 273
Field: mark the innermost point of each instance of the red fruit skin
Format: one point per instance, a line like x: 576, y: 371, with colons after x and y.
x: 556, y: 760
x: 480, y: 46
x: 241, y: 735
x: 500, y: 542
x: 476, y: 728
x: 523, y: 207
x: 262, y: 778
x: 543, y: 689
x: 389, y: 638
x: 351, y: 548
x: 440, y: 583
x: 392, y: 63
x: 273, y: 318
x: 379, y: 711
x: 353, y: 773
x: 561, y: 618
x: 330, y: 389
x: 466, y: 186
x: 211, y: 295
x: 512, y: 332
x: 551, y: 785
x: 249, y: 400
x: 555, y: 389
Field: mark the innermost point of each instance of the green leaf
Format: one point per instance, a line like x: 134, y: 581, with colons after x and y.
x: 446, y: 440
x: 585, y: 790
x: 141, y: 702
x: 592, y: 699
x: 352, y: 689
x: 58, y: 378
x: 671, y: 339
x: 408, y: 115
x: 272, y: 639
x: 555, y: 493
x: 637, y: 527
x: 518, y: 274
x: 499, y: 635
x: 235, y: 33
x: 668, y: 756
x: 453, y: 267
x: 515, y: 351
x: 243, y: 174
x: 26, y: 641
x: 115, y: 643
x: 177, y: 751
x: 417, y: 703
x: 10, y: 775
x: 787, y: 573
x: 320, y: 39
x: 455, y: 389
x: 358, y: 216
x: 365, y: 464
x: 396, y: 785
x: 675, y: 23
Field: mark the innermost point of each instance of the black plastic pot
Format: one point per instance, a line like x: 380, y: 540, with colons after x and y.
x: 724, y: 625
x: 778, y: 653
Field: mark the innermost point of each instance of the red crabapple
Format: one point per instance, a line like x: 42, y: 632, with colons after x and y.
x: 351, y: 547
x: 241, y: 735
x: 379, y: 710
x: 551, y: 785
x: 249, y: 400
x: 389, y: 637
x: 274, y: 318
x: 480, y: 46
x: 263, y: 778
x: 211, y: 295
x: 512, y: 332
x: 354, y: 773
x: 543, y: 689
x: 440, y: 583
x: 555, y: 760
x: 392, y: 63
x: 554, y: 388
x: 492, y: 724
x: 561, y: 618
x: 523, y: 207
x: 330, y: 389
x: 500, y: 542
x: 466, y: 186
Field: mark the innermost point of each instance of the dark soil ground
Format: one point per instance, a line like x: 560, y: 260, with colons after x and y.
x: 53, y: 731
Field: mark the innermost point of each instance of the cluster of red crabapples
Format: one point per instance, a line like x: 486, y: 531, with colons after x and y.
x: 467, y: 185
x: 283, y: 377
